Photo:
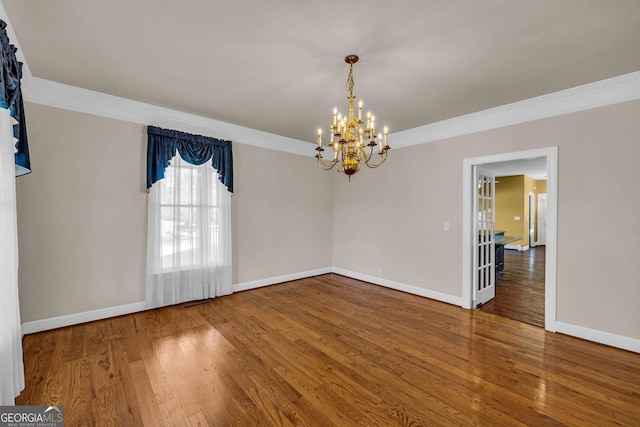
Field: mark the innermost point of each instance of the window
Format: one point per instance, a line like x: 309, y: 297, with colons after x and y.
x: 189, y: 216
x: 189, y: 249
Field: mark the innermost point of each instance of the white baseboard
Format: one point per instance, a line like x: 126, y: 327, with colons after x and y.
x: 245, y: 286
x: 519, y: 248
x: 607, y: 338
x: 104, y: 313
x: 619, y: 341
x: 76, y: 318
x: 438, y: 296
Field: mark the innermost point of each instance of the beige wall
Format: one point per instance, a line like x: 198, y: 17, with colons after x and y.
x: 83, y: 212
x: 281, y: 214
x: 393, y: 217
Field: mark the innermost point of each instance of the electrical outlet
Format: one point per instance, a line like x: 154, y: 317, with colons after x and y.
x: 447, y: 225
x: 516, y: 218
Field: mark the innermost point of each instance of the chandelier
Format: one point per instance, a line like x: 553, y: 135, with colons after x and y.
x: 349, y: 136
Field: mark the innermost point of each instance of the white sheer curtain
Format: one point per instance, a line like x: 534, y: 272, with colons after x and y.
x: 189, y: 236
x: 11, y: 365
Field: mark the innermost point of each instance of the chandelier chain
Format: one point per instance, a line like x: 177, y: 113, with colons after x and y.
x: 350, y: 81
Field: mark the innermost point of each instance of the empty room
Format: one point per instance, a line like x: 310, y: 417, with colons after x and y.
x: 290, y: 213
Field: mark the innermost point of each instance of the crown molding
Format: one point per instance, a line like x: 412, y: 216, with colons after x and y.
x: 605, y: 92
x: 59, y: 95
x: 593, y: 95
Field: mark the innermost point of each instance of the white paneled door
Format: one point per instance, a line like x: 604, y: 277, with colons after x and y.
x: 484, y: 251
x: 542, y: 219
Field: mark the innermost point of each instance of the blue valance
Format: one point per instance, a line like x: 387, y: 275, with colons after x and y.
x: 195, y: 149
x: 11, y: 98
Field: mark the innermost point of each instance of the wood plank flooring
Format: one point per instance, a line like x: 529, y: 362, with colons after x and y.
x: 520, y: 287
x: 327, y: 351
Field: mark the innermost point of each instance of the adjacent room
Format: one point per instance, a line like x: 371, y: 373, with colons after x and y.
x: 320, y: 213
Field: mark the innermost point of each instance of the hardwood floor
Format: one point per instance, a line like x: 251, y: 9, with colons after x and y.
x: 520, y: 287
x: 327, y: 351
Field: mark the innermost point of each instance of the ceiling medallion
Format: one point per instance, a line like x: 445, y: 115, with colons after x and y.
x: 348, y: 135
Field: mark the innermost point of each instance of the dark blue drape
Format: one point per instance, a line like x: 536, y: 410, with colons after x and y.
x: 196, y: 149
x: 11, y: 98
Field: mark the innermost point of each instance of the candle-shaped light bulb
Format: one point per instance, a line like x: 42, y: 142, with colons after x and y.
x: 373, y: 126
x: 319, y: 137
x: 360, y: 109
x: 380, y: 142
x: 335, y: 112
x: 368, y: 119
x: 386, y: 136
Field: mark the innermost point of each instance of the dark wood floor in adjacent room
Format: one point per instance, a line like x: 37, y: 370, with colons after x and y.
x: 520, y: 287
x: 327, y: 351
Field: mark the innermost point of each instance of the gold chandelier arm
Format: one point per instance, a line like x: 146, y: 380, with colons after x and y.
x: 323, y: 165
x: 367, y: 159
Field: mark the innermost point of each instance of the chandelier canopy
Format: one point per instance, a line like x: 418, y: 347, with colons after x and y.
x: 348, y: 136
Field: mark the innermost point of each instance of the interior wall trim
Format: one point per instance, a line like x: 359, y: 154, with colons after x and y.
x: 468, y: 240
x: 77, y: 318
x: 105, y: 313
x: 415, y: 290
x: 59, y: 95
x: 607, y: 338
x: 519, y: 248
x: 245, y: 286
x: 593, y: 95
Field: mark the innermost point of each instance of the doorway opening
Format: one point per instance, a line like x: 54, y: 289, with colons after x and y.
x: 519, y: 279
x: 471, y: 231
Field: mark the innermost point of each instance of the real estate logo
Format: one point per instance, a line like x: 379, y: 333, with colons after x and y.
x: 31, y: 416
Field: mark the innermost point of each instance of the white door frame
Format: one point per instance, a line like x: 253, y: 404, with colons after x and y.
x: 468, y: 216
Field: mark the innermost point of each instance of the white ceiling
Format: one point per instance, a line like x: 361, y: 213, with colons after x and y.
x: 279, y: 67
